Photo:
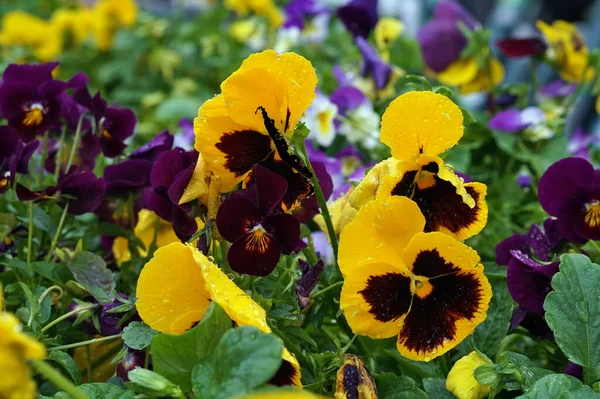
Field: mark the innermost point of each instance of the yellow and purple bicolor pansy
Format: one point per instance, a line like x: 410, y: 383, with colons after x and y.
x: 195, y: 282
x: 570, y: 191
x: 419, y: 126
x: 353, y: 380
x: 250, y: 121
x: 253, y: 220
x: 428, y: 289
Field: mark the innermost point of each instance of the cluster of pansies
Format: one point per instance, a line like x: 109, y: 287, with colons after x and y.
x: 284, y: 218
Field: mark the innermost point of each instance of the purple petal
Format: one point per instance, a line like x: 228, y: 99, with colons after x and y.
x: 530, y: 321
x: 558, y: 88
x: 182, y: 180
x: 574, y: 370
x: 373, y: 66
x: 285, y: 228
x: 452, y: 11
x: 308, y: 281
x: 254, y: 259
x: 505, y: 247
x: 562, y: 182
x: 508, y: 121
x: 270, y: 189
x: 441, y: 43
x: 347, y: 98
x: 131, y: 174
x: 30, y: 73
x: 235, y: 217
x: 359, y: 16
x: 167, y: 166
x: 517, y: 47
x: 159, y: 203
x: 539, y: 243
x: 184, y: 225
x: 152, y: 149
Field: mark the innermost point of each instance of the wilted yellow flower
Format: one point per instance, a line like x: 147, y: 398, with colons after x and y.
x: 461, y: 379
x: 567, y: 48
x: 15, y: 349
x: 353, y: 380
x: 22, y: 29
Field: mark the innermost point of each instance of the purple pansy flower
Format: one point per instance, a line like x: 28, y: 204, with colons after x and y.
x: 152, y: 149
x: 252, y: 219
x: 512, y: 120
x: 82, y: 191
x: 580, y: 142
x: 347, y: 98
x: 30, y: 98
x: 308, y: 281
x: 574, y: 370
x: 169, y: 178
x: 127, y: 177
x: 359, y: 17
x: 298, y: 11
x: 524, y: 179
x: 570, y: 191
x: 558, y: 88
x: 14, y: 156
x: 373, y: 66
x: 440, y: 39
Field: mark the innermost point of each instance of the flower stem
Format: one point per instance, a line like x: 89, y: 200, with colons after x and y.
x: 83, y: 343
x: 67, y: 315
x: 44, y: 157
x: 58, y: 231
x: 30, y: 235
x: 58, y: 158
x: 324, y: 290
x: 75, y: 143
x: 58, y: 380
x: 321, y: 201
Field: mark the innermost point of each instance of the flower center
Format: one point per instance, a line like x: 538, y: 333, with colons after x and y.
x: 3, y: 182
x: 422, y: 287
x: 258, y: 240
x: 34, y: 116
x: 106, y: 134
x: 592, y: 214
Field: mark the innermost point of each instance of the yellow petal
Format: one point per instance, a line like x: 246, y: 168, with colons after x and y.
x: 377, y: 234
x: 353, y: 380
x: 284, y: 84
x: 461, y: 379
x: 421, y: 122
x: 367, y: 189
x: 170, y: 285
x: 598, y: 104
x: 283, y: 394
x: 341, y: 213
x: 387, y: 30
x: 459, y: 72
x: 23, y: 345
x: 486, y: 79
x: 291, y: 360
x: 198, y: 186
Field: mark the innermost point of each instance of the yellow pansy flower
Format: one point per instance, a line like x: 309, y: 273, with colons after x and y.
x: 245, y: 125
x: 109, y: 15
x: 428, y: 289
x: 75, y: 23
x: 469, y: 78
x: 193, y: 283
x: 265, y: 8
x: 22, y: 29
x: 15, y: 349
x: 567, y: 48
x: 461, y: 379
x: 387, y: 31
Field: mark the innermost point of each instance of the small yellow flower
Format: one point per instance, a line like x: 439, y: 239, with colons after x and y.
x: 469, y: 78
x: 41, y: 37
x: 75, y: 23
x: 15, y: 349
x: 341, y: 212
x: 265, y: 8
x: 567, y: 48
x: 461, y: 379
x: 193, y: 283
x: 387, y: 31
x: 353, y: 380
x: 109, y: 15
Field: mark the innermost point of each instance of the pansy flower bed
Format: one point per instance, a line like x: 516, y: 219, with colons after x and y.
x: 295, y: 199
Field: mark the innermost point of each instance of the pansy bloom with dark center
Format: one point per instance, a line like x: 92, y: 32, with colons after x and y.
x: 359, y: 17
x: 250, y: 122
x: 195, y: 282
x: 252, y: 219
x: 353, y: 380
x: 426, y: 288
x: 418, y: 126
x: 30, y: 98
x: 570, y: 191
x: 14, y: 156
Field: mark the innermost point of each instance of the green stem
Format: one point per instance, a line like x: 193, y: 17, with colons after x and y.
x: 324, y: 290
x: 58, y: 231
x: 61, y: 144
x: 58, y: 380
x: 44, y: 157
x: 83, y: 343
x: 67, y: 315
x: 30, y: 235
x: 75, y: 143
x: 322, y: 202
x: 48, y: 291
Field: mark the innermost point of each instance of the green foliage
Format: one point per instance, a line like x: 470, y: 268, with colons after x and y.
x: 91, y: 272
x: 138, y: 335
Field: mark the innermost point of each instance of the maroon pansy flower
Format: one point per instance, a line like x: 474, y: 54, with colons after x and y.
x: 83, y: 191
x: 152, y: 149
x: 252, y: 219
x: 570, y: 191
x: 124, y: 178
x: 530, y: 321
x: 525, y: 47
x: 169, y: 178
x: 30, y: 98
x: 359, y: 16
x: 309, y: 280
x: 14, y: 156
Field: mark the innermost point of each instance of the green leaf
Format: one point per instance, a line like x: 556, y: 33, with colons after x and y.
x: 436, y: 388
x: 138, y: 335
x: 153, y: 384
x: 42, y: 221
x: 390, y: 386
x: 56, y: 272
x: 573, y: 311
x: 33, y: 304
x: 91, y: 272
x: 174, y: 356
x: 67, y: 363
x: 8, y: 221
x: 21, y: 268
x: 559, y: 386
x: 245, y: 358
x: 101, y: 390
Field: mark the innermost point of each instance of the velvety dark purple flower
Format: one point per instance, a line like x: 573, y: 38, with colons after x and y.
x: 574, y: 370
x: 309, y: 207
x: 440, y: 39
x: 347, y: 98
x: 152, y: 149
x: 133, y: 358
x: 513, y: 120
x: 570, y: 191
x: 524, y: 179
x: 530, y: 321
x: 30, y: 98
x: 558, y: 88
x: 580, y: 142
x: 308, y: 281
x: 253, y: 221
x: 541, y: 243
x: 522, y: 47
x: 529, y: 282
x: 373, y: 66
x: 298, y: 11
x: 359, y: 17
x: 82, y: 191
x: 88, y: 150
x: 14, y: 156
x: 127, y: 177
x: 169, y: 178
